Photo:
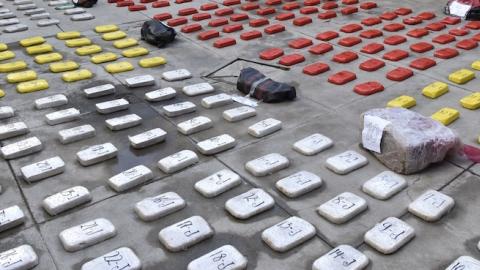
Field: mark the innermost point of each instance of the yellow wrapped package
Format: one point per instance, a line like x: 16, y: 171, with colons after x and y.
x: 103, y: 58
x: 77, y: 75
x: 48, y: 58
x: 152, y: 62
x: 68, y: 35
x: 32, y: 86
x: 435, y: 90
x: 88, y: 50
x: 6, y: 55
x: 22, y: 76
x: 446, y: 116
x: 402, y: 102
x: 38, y: 49
x: 125, y: 43
x: 78, y: 42
x: 135, y: 52
x: 32, y: 41
x: 106, y: 28
x: 63, y: 66
x: 12, y: 66
x: 118, y: 67
x: 114, y: 35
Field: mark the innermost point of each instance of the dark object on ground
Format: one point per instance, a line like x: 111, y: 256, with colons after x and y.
x: 468, y: 9
x: 158, y: 34
x: 84, y: 3
x: 257, y: 85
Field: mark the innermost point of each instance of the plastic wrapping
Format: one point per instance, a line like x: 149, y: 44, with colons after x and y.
x: 411, y: 141
x: 469, y: 10
x: 158, y: 34
x: 257, y: 85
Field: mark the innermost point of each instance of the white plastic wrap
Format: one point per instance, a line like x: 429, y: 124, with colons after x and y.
x: 409, y: 141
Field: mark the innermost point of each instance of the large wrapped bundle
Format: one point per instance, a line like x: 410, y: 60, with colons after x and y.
x: 257, y: 85
x: 405, y: 141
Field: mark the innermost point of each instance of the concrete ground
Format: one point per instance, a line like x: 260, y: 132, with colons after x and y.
x: 320, y: 107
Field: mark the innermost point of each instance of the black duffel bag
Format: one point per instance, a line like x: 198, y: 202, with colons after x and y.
x: 156, y: 33
x: 258, y: 86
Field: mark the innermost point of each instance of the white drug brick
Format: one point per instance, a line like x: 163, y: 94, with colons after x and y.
x: 239, y: 113
x: 6, y: 112
x: 178, y: 161
x: 15, y: 28
x: 40, y: 16
x: 218, y: 183
x: 26, y: 7
x: 384, y: 185
x: 123, y: 122
x: 216, y: 144
x: 181, y: 108
x: 22, y: 2
x: 130, y: 178
x: 161, y: 94
x: 265, y: 127
x: 194, y: 125
x: 198, y: 89
x: 6, y: 22
x: 73, y: 11
x: 19, y: 258
x: 82, y: 17
x: 51, y: 101
x: 139, y: 81
x: 464, y: 263
x: 34, y: 11
x: 43, y: 169
x: 11, y: 217
x: 176, y: 75
x: 12, y: 130
x: 99, y: 91
x: 87, y: 234
x: 313, y: 144
x: 47, y: 22
x: 21, y: 148
x: 389, y: 235
x: 112, y: 106
x: 186, y: 233
x: 249, y: 204
x: 66, y: 199
x: 122, y: 258
x: 8, y: 15
x: 225, y: 257
x: 267, y: 164
x: 147, y: 138
x: 153, y: 208
x: 346, y: 162
x: 216, y: 101
x: 96, y: 153
x: 288, y: 234
x: 58, y: 3
x: 62, y: 116
x: 76, y: 134
x: 431, y: 205
x: 343, y: 257
x: 298, y: 184
x: 342, y: 208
